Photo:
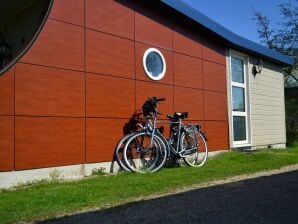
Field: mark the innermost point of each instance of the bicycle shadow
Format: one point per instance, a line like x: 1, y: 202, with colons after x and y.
x: 129, y: 127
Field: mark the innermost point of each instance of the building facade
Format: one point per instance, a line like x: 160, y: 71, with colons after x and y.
x: 67, y: 95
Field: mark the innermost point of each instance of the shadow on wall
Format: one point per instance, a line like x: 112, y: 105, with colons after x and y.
x: 131, y: 126
x: 157, y: 11
x: 20, y: 24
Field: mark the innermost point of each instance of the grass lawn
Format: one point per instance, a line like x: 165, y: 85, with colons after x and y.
x: 45, y: 200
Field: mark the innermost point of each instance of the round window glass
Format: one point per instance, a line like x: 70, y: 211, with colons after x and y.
x: 154, y: 64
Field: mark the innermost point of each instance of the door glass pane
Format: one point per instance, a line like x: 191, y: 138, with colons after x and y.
x: 239, y: 128
x: 237, y: 70
x: 238, y: 99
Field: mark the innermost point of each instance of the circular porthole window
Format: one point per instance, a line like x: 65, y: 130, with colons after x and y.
x: 154, y: 64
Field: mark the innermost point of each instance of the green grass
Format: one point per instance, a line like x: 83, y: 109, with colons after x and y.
x: 45, y: 200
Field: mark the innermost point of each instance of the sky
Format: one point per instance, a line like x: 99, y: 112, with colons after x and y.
x: 236, y: 15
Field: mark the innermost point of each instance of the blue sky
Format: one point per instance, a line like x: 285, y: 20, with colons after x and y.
x: 236, y: 15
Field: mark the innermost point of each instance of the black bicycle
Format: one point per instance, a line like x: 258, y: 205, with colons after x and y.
x: 147, y: 149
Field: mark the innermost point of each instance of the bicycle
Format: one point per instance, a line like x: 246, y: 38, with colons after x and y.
x: 185, y: 141
x: 139, y: 126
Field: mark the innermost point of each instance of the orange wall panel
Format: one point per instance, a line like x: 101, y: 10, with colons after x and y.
x: 186, y: 44
x: 214, y: 53
x: 70, y: 11
x: 102, y: 138
x: 6, y: 143
x: 46, y: 91
x: 214, y: 77
x: 95, y: 73
x: 58, y: 45
x: 7, y: 93
x: 151, y: 31
x: 49, y: 141
x: 215, y: 106
x: 149, y: 89
x: 189, y: 100
x: 140, y: 72
x: 106, y: 54
x: 217, y: 134
x: 109, y: 96
x: 187, y: 71
x: 110, y: 16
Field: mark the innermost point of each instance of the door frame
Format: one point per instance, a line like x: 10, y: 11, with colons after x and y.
x: 246, y: 86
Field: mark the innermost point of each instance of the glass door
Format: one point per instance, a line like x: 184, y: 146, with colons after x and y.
x: 239, y: 100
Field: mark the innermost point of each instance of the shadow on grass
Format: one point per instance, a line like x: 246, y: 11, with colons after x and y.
x: 271, y: 199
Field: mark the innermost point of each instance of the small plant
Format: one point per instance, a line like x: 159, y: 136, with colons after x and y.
x: 55, y: 176
x: 98, y: 171
x: 26, y: 184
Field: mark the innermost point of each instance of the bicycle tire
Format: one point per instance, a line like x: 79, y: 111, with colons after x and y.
x: 142, y: 159
x: 195, y: 148
x: 119, y: 152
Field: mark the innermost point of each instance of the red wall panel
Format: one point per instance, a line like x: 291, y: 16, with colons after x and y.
x: 215, y: 106
x: 186, y: 44
x: 190, y: 100
x: 214, y: 77
x: 58, y: 45
x: 149, y: 89
x: 214, y: 53
x: 152, y: 32
x: 217, y: 134
x: 110, y: 16
x: 102, y: 138
x: 95, y: 73
x: 106, y: 54
x: 187, y: 71
x: 140, y: 73
x: 70, y: 11
x: 7, y: 93
x: 46, y: 91
x: 49, y: 141
x: 110, y: 96
x: 6, y: 143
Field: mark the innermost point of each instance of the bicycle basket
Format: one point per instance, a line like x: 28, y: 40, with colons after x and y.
x: 148, y: 107
x: 192, y: 128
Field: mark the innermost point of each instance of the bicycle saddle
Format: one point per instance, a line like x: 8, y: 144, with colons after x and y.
x: 177, y: 115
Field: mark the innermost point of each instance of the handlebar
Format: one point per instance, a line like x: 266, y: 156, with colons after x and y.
x: 150, y: 106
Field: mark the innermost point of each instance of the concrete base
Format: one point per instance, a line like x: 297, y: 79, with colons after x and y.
x: 216, y: 153
x: 271, y: 146
x: 15, y: 178
x: 255, y: 147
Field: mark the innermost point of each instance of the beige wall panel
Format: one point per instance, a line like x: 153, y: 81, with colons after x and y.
x: 267, y: 106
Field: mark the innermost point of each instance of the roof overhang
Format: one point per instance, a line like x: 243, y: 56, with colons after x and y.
x: 230, y: 39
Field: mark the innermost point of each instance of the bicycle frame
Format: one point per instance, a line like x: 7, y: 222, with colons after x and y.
x: 170, y: 148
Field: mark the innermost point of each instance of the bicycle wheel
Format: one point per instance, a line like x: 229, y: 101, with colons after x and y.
x: 119, y: 152
x: 194, y: 148
x: 143, y: 154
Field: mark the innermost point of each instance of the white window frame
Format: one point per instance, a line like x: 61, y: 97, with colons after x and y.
x: 245, y: 86
x: 162, y: 74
